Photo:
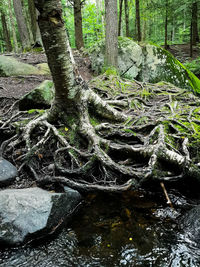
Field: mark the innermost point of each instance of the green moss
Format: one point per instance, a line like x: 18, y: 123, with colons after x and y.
x: 109, y: 71
x: 94, y: 121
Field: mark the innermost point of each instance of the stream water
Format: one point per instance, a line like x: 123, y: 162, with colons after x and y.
x: 115, y: 230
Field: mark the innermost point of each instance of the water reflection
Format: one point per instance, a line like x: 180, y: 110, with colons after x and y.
x: 122, y: 230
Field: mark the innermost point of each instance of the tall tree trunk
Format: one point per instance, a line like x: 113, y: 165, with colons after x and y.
x: 78, y: 24
x: 111, y: 41
x: 34, y: 24
x: 58, y: 55
x: 13, y: 26
x: 99, y: 13
x: 137, y: 4
x: 22, y: 27
x: 6, y: 33
x: 126, y: 17
x: 120, y: 17
x: 195, y: 35
x: 166, y: 23
x: 191, y: 38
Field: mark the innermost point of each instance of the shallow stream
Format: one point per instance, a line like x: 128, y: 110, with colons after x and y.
x: 116, y: 230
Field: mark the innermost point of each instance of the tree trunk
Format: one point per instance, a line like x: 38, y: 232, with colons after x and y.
x: 166, y: 23
x: 6, y: 33
x: 137, y: 4
x: 99, y: 14
x: 191, y: 39
x: 78, y: 24
x: 195, y: 35
x: 58, y: 55
x: 13, y: 26
x: 111, y: 41
x: 126, y: 17
x: 120, y: 17
x: 23, y: 31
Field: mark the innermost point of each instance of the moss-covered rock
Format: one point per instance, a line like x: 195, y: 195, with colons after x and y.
x: 43, y: 67
x: 10, y: 66
x: 41, y: 97
x: 148, y: 63
x: 160, y: 65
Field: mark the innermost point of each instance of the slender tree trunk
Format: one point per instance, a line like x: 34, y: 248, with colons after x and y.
x: 126, y: 17
x: 34, y: 24
x: 111, y: 41
x: 78, y: 24
x: 195, y: 37
x: 13, y: 26
x: 6, y: 33
x: 120, y: 17
x: 191, y: 39
x: 99, y: 13
x: 137, y: 4
x: 166, y: 23
x: 22, y: 27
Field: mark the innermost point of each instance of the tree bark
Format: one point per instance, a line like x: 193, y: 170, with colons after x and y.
x: 195, y: 35
x: 126, y: 17
x: 23, y: 31
x: 13, y: 26
x: 111, y: 41
x: 6, y: 33
x: 120, y: 17
x: 137, y: 4
x: 78, y: 24
x: 166, y: 23
x: 34, y: 24
x: 58, y: 55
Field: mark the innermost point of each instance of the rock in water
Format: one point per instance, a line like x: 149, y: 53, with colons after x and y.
x: 8, y: 172
x: 32, y: 213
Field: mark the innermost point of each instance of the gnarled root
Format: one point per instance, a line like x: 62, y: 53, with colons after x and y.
x: 109, y: 150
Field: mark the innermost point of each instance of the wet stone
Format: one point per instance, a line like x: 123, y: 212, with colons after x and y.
x: 8, y: 172
x: 191, y: 224
x: 32, y: 213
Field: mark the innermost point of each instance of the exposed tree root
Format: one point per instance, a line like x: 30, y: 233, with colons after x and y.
x: 156, y: 137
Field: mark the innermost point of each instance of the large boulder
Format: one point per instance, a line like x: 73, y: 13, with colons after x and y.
x: 8, y: 172
x: 160, y: 65
x: 147, y: 63
x: 10, y: 66
x: 129, y: 57
x: 39, y: 98
x: 27, y: 214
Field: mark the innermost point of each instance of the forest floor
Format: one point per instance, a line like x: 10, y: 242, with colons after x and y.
x: 13, y: 88
x: 182, y: 52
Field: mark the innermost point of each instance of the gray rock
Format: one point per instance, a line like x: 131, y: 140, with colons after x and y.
x: 39, y: 98
x: 32, y: 213
x: 8, y: 172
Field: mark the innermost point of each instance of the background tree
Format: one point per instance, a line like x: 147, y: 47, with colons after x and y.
x: 6, y: 33
x: 111, y: 39
x: 22, y: 27
x: 137, y: 7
